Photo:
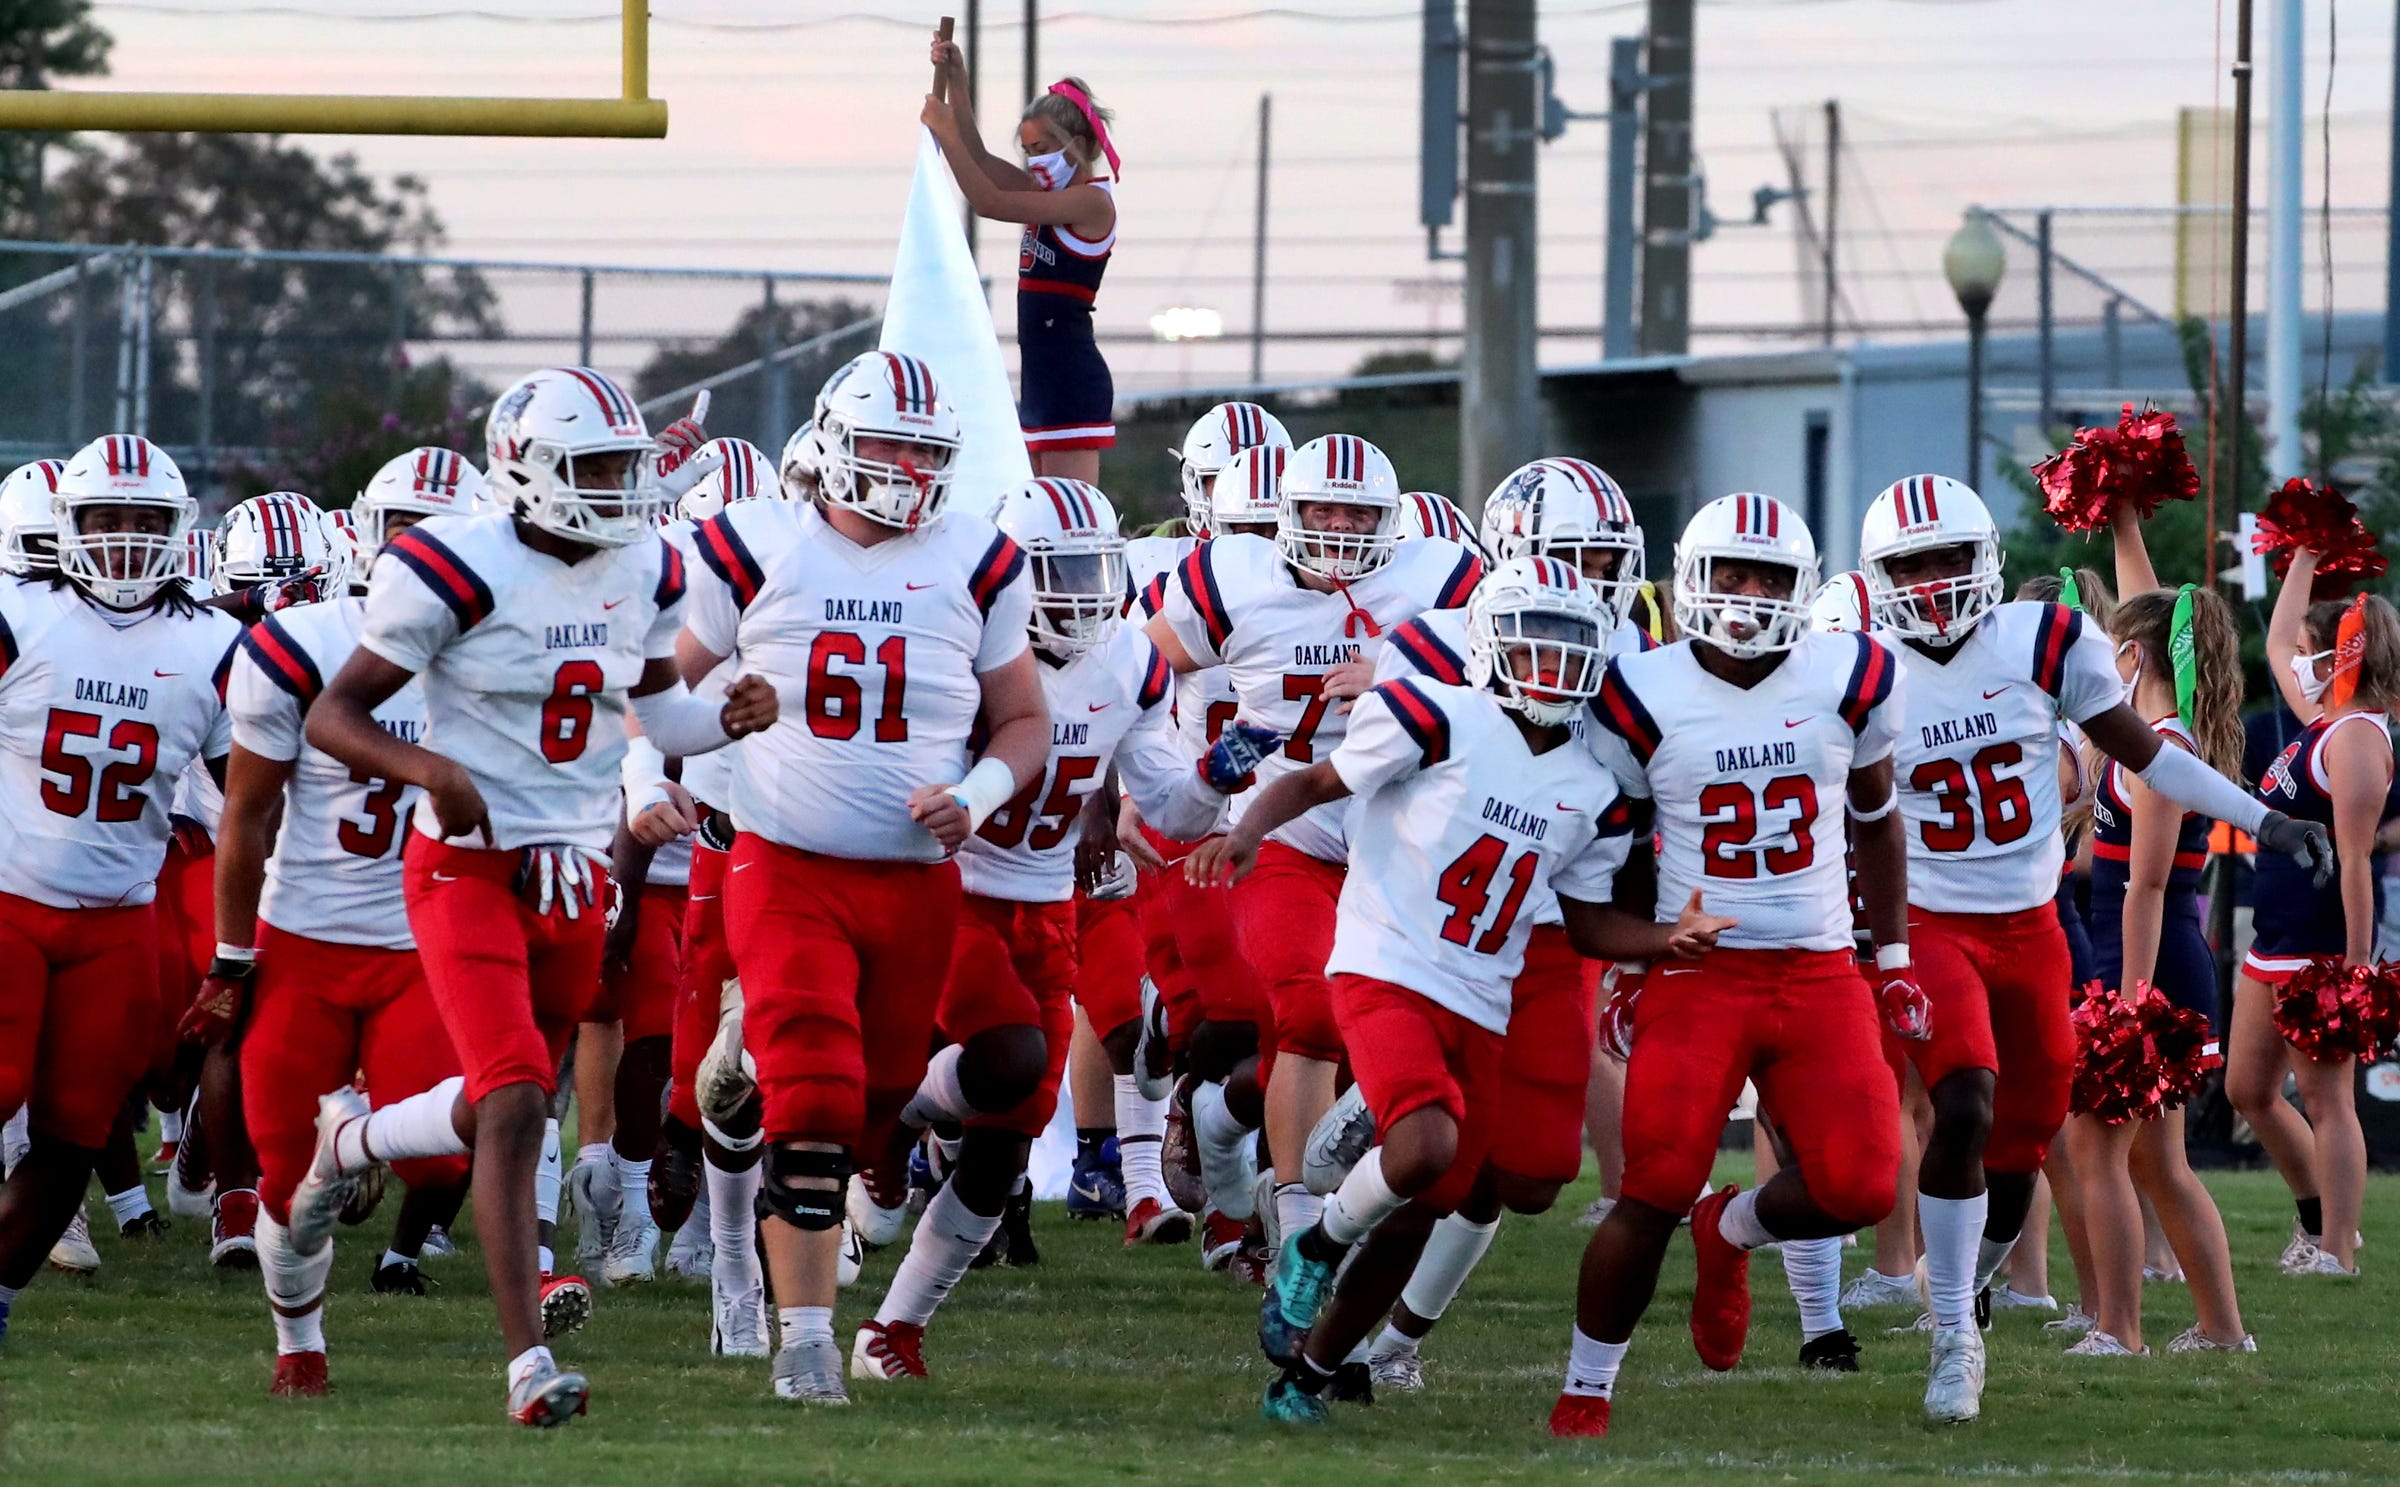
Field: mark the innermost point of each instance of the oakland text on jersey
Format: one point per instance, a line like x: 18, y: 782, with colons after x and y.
x: 1777, y: 755
x: 1066, y: 735
x: 112, y: 694
x: 1324, y: 655
x: 866, y: 611
x: 575, y: 637
x: 1959, y: 730
x: 1530, y: 824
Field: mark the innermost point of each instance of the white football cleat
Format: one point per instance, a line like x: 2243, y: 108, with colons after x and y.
x: 1403, y: 1370
x: 853, y: 1258
x: 811, y: 1372
x: 632, y: 1254
x: 599, y: 1201
x: 1597, y: 1214
x: 1340, y: 1138
x: 728, y: 1077
x: 438, y: 1245
x: 1149, y: 1044
x: 316, y: 1204
x: 189, y: 1203
x: 693, y: 1255
x: 1954, y: 1387
x: 1873, y: 1288
x: 547, y: 1397
x: 75, y: 1253
x: 871, y: 1222
x: 739, y: 1329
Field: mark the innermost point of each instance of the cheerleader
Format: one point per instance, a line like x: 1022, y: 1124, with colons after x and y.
x: 1070, y: 216
x: 2350, y: 672
x: 2145, y: 926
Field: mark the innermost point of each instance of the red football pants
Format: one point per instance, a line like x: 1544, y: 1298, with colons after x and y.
x: 642, y: 992
x: 187, y: 942
x: 1108, y: 962
x: 1802, y: 1025
x: 319, y: 1014
x: 1546, y: 1060
x: 1285, y: 913
x: 842, y: 965
x: 510, y: 983
x: 1410, y: 1052
x: 78, y: 1012
x: 707, y: 966
x: 1999, y: 984
x: 1013, y: 965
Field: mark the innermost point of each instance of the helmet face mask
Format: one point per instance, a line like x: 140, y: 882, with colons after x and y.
x: 1745, y: 573
x: 569, y: 449
x: 1534, y: 636
x: 1931, y: 559
x: 1571, y: 510
x: 889, y: 442
x: 120, y: 517
x: 1075, y: 559
x: 1338, y: 471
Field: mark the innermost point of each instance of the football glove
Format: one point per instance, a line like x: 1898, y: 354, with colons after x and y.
x: 1231, y: 764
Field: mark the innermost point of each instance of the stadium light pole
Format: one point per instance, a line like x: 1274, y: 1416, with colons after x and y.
x: 1974, y: 261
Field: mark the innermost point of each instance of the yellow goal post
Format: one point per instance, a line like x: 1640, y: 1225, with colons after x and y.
x: 635, y: 115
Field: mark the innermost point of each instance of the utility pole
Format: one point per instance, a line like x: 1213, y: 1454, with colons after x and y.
x: 1258, y: 248
x: 974, y: 51
x: 2285, y: 117
x: 1833, y: 204
x: 1500, y: 413
x: 1624, y: 122
x: 2232, y: 405
x: 1033, y: 49
x: 2391, y: 240
x: 1667, y: 195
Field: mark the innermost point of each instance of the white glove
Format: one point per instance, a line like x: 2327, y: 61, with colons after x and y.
x: 1119, y: 882
x: 554, y: 875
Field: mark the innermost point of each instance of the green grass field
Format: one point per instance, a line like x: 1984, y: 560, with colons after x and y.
x: 1108, y: 1366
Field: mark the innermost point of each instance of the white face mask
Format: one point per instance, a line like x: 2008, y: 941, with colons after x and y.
x: 1051, y: 172
x: 2304, y: 671
x: 2133, y: 682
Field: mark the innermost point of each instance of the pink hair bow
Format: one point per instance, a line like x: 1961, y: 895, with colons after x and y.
x: 1091, y: 116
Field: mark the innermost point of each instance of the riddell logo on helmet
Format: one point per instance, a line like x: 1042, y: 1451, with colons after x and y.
x: 907, y: 417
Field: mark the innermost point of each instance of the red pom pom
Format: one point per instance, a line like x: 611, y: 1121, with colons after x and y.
x: 2330, y: 1011
x: 2137, y: 1056
x: 2321, y: 519
x: 2141, y: 463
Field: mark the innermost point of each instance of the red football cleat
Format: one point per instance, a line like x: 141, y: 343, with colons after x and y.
x: 566, y: 1305
x: 1579, y: 1416
x: 888, y: 1350
x: 1721, y: 1303
x: 1151, y: 1222
x: 299, y: 1376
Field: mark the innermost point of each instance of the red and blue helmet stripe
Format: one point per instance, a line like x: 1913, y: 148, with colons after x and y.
x: 912, y: 383
x: 623, y: 417
x: 1757, y: 516
x: 1072, y: 500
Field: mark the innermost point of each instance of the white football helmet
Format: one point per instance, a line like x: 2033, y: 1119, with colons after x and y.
x: 122, y: 570
x: 276, y: 538
x: 1920, y: 514
x: 1431, y: 514
x: 1341, y: 470
x: 426, y: 481
x: 1751, y: 529
x: 888, y: 400
x: 1247, y: 492
x: 1211, y: 443
x: 1565, y: 508
x: 1840, y: 607
x: 803, y: 470
x: 28, y: 530
x: 1535, y: 627
x: 745, y: 475
x: 199, y: 568
x: 569, y: 450
x: 341, y: 544
x: 1069, y: 532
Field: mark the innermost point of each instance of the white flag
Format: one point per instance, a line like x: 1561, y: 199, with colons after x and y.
x: 936, y: 312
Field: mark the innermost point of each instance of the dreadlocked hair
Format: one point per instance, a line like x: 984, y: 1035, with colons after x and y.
x: 2145, y: 619
x: 2378, y: 687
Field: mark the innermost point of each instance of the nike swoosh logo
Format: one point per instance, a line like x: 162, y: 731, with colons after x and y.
x: 1675, y: 971
x: 613, y: 603
x: 1988, y: 696
x: 445, y: 877
x: 702, y: 898
x: 154, y: 671
x: 1098, y: 707
x: 914, y: 587
x: 742, y: 867
x: 1796, y: 722
x: 1570, y: 810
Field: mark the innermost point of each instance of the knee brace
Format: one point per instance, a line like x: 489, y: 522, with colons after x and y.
x: 815, y: 1207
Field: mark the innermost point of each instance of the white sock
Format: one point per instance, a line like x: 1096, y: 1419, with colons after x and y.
x: 946, y: 1242
x: 1391, y: 1342
x: 524, y: 1364
x: 296, y: 1282
x: 1953, y: 1227
x: 1592, y: 1365
x: 939, y: 1097
x: 1990, y: 1255
x: 129, y: 1205
x: 1452, y: 1251
x: 1739, y: 1223
x: 419, y: 1126
x: 1813, y: 1267
x: 1141, y: 1129
x: 548, y: 1178
x: 595, y: 1153
x: 733, y: 1225
x: 1222, y: 1141
x: 805, y: 1323
x: 170, y: 1125
x: 394, y: 1257
x: 1364, y: 1350
x: 16, y: 1138
x: 1297, y: 1209
x: 545, y: 1260
x: 1362, y: 1201
x: 633, y: 1182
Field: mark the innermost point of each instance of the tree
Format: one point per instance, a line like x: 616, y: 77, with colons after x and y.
x: 40, y: 40
x: 740, y: 407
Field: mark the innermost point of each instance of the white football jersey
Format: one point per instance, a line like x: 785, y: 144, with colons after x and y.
x: 1458, y: 824
x: 335, y: 872
x: 1237, y: 604
x: 708, y: 777
x: 99, y: 716
x: 1204, y: 699
x: 1108, y: 706
x: 199, y: 796
x: 876, y: 653
x: 1977, y: 755
x: 1751, y: 783
x: 527, y: 662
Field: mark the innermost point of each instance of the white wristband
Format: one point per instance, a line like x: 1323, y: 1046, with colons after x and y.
x: 246, y: 954
x: 1891, y: 957
x: 986, y: 788
x: 1890, y: 802
x: 644, y: 797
